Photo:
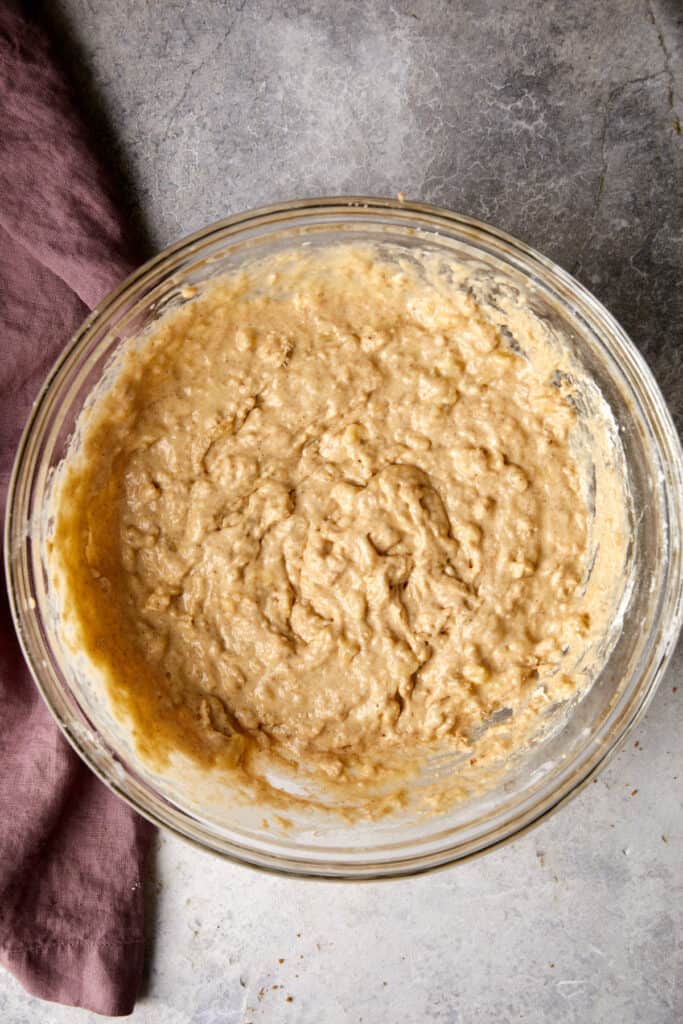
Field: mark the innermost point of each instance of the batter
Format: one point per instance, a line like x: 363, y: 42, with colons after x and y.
x: 329, y: 509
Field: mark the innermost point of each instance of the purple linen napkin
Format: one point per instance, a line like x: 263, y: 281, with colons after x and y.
x: 72, y: 855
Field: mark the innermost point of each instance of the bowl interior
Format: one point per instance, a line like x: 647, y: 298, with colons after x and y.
x: 306, y: 840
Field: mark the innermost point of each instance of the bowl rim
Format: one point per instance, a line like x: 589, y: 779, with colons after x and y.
x: 427, y: 216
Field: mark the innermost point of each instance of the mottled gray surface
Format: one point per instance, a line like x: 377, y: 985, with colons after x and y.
x: 558, y: 121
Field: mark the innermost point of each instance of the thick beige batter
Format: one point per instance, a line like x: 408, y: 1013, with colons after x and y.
x: 326, y: 509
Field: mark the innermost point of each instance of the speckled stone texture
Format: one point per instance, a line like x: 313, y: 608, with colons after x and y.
x: 558, y: 121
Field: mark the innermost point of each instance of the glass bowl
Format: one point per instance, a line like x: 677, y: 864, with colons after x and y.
x: 553, y: 769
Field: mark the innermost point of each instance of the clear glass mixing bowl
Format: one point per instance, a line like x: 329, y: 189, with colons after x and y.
x: 553, y: 770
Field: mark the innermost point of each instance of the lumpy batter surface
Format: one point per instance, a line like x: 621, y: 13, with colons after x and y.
x: 328, y: 509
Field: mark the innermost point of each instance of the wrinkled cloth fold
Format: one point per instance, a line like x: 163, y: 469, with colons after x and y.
x: 72, y: 855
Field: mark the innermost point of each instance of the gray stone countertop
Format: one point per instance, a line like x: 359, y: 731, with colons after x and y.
x: 559, y: 122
